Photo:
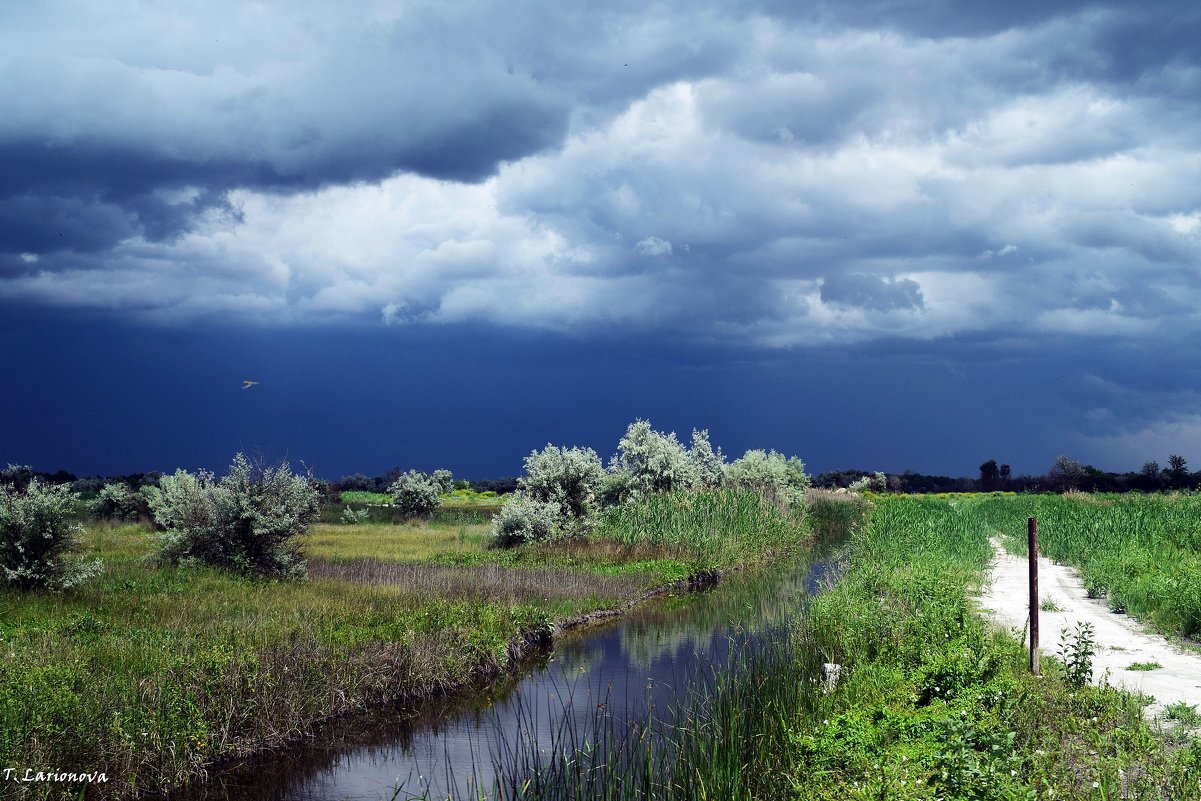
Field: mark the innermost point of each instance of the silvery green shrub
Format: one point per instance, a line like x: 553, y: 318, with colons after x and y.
x: 415, y: 494
x: 655, y: 462
x: 17, y: 476
x: 38, y: 541
x: 247, y: 521
x: 444, y: 479
x: 524, y: 519
x: 878, y: 482
x: 710, y: 464
x: 615, y: 488
x: 776, y: 477
x: 566, y: 477
x: 353, y: 517
x: 116, y: 501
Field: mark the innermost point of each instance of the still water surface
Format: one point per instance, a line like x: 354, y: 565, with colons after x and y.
x: 629, y: 668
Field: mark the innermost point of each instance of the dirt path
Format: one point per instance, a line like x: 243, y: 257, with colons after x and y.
x: 1121, y: 641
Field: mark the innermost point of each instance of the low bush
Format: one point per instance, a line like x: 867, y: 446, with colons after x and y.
x: 776, y: 477
x: 117, y: 501
x: 523, y: 519
x: 569, y: 479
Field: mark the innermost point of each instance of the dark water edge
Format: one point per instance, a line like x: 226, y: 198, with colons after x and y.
x: 632, y: 667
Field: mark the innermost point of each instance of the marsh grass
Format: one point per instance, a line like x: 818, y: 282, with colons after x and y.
x: 708, y: 529
x: 390, y: 542
x: 486, y: 582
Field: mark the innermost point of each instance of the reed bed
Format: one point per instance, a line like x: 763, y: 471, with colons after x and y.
x: 708, y: 529
x: 485, y: 582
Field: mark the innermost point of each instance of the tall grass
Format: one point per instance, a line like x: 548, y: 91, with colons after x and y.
x: 1141, y: 552
x: 709, y: 529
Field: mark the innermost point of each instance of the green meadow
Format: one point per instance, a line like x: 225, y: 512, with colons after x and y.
x: 149, y: 673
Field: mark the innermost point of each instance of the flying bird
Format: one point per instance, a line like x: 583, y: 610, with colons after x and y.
x: 247, y: 384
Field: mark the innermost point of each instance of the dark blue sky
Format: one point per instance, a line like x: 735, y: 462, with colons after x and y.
x: 887, y: 235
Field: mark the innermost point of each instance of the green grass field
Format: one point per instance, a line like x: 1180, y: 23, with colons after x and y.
x: 149, y: 672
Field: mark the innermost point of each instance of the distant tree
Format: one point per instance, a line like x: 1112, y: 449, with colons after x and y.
x: 989, y: 475
x: 1177, y: 472
x: 1150, y: 478
x: 1005, y: 474
x: 355, y: 482
x: 1066, y: 474
x: 877, y: 483
x: 61, y: 477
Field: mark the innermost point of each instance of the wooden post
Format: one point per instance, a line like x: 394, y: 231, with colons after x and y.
x: 1032, y: 547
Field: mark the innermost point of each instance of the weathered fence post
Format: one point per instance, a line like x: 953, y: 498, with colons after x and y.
x: 1032, y: 547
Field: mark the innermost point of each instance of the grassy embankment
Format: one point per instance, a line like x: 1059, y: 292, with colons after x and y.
x: 149, y: 673
x: 931, y: 704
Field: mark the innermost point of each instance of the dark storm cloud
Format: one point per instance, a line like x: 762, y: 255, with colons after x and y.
x: 778, y: 176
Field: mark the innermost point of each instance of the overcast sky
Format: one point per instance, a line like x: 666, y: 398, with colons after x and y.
x: 881, y: 234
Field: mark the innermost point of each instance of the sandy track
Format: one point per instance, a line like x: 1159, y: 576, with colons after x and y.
x: 1121, y: 640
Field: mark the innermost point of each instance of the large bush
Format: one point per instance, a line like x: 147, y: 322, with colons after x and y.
x: 710, y: 464
x: 776, y: 477
x: 38, y: 539
x: 116, y: 501
x: 246, y: 521
x: 523, y: 519
x: 414, y: 494
x: 566, y: 477
x: 655, y: 462
x: 444, y: 479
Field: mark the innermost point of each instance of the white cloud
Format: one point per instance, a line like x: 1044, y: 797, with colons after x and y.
x: 654, y: 246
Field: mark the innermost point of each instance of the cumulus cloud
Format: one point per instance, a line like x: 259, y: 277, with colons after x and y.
x: 836, y: 175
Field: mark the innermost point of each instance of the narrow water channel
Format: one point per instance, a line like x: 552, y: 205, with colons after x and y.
x: 629, y: 668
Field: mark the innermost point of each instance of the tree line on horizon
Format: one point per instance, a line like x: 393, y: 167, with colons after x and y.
x: 1064, y: 475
